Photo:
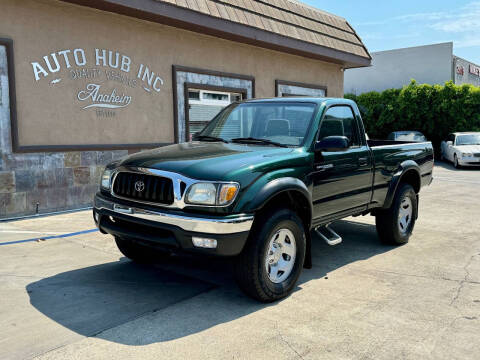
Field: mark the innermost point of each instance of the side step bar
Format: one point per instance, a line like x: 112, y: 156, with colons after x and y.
x: 327, y: 234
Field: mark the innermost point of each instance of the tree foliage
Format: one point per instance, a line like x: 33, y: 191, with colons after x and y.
x: 434, y: 110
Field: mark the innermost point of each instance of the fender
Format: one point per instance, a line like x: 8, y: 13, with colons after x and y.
x: 277, y: 186
x: 407, y: 165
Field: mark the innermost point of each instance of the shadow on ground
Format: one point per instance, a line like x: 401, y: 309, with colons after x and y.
x: 94, y: 299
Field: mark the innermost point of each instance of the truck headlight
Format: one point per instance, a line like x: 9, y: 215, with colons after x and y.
x: 212, y: 193
x: 467, y: 154
x: 106, y: 178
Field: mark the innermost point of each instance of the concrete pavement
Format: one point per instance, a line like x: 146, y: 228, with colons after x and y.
x: 76, y: 297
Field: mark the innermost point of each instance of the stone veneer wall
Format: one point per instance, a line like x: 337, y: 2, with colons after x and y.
x: 54, y: 181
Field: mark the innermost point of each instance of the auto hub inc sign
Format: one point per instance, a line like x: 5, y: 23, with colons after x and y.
x: 105, y: 77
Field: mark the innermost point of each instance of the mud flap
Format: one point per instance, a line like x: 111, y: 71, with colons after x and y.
x: 307, y: 264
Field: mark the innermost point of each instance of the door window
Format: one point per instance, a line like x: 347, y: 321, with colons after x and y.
x: 340, y: 121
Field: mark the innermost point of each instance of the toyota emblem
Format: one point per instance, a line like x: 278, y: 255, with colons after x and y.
x: 139, y: 186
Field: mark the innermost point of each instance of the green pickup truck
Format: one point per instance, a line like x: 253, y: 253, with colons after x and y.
x: 255, y: 184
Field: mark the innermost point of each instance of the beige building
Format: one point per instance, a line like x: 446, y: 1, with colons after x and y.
x: 84, y: 82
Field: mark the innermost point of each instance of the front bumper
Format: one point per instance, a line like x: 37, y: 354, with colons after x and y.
x: 469, y: 161
x: 158, y: 228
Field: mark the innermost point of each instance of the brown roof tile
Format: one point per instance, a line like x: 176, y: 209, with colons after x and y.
x: 288, y: 18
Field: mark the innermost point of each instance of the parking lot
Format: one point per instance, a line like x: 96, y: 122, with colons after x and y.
x: 66, y: 292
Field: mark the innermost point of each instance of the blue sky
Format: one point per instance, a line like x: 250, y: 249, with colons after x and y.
x: 388, y: 24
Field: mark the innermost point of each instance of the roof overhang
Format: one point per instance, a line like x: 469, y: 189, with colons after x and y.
x: 171, y: 15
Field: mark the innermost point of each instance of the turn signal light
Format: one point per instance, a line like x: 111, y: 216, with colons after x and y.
x: 204, y: 242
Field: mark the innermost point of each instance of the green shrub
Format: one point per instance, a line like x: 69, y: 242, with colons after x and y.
x: 434, y: 110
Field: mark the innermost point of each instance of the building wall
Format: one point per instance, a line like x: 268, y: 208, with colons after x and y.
x: 466, y: 72
x: 430, y: 64
x: 53, y: 109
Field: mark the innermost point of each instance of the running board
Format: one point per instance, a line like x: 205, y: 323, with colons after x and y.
x: 327, y: 234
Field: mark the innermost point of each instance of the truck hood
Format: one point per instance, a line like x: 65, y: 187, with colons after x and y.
x: 217, y: 161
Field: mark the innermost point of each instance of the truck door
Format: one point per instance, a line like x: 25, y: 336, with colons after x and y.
x: 342, y: 180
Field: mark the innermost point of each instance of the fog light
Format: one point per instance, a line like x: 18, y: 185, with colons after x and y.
x: 204, y: 242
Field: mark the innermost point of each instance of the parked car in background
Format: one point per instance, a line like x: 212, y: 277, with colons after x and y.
x: 462, y: 148
x: 407, y: 136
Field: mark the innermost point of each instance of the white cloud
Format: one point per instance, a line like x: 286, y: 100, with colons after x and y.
x: 467, y: 42
x: 461, y: 24
x: 464, y: 19
x: 467, y: 19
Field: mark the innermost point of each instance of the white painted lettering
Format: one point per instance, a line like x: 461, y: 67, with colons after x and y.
x: 157, y: 79
x: 65, y: 57
x: 37, y: 70
x: 110, y: 59
x: 83, y: 60
x: 148, y: 75
x: 126, y: 61
x: 99, y: 57
x: 47, y: 61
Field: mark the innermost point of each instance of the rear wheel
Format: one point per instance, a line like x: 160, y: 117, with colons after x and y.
x: 272, y: 260
x: 139, y: 253
x: 395, y: 225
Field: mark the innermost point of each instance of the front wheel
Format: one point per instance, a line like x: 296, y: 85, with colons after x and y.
x: 455, y: 162
x: 395, y: 225
x: 272, y: 260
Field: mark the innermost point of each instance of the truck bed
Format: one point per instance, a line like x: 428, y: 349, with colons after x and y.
x: 388, y: 156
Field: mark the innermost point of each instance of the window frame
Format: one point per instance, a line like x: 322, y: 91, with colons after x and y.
x: 207, y: 88
x: 355, y: 118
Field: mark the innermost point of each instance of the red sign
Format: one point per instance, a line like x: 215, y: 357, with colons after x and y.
x: 460, y: 70
x: 475, y: 70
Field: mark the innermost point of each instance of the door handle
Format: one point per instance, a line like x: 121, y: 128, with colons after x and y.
x: 363, y: 161
x: 324, y: 167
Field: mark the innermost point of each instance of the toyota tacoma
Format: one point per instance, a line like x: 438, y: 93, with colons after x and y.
x: 254, y: 185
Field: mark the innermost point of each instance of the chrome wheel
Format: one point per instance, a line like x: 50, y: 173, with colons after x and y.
x: 405, y: 214
x: 280, y: 258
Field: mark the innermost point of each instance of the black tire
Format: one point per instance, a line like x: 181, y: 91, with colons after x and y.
x: 250, y: 271
x: 456, y: 165
x: 388, y: 227
x: 138, y: 253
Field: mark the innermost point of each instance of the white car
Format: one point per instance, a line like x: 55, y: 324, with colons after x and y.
x: 462, y: 148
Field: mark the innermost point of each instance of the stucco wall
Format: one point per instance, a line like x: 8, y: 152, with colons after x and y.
x: 431, y: 64
x: 50, y: 111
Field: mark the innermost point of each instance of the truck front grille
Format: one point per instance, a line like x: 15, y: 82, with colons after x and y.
x: 476, y: 155
x: 143, y: 187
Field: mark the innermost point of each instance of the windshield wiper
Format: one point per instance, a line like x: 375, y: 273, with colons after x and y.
x: 210, y: 138
x: 257, y: 140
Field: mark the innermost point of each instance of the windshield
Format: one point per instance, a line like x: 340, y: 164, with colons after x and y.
x: 283, y: 123
x: 473, y: 139
x: 410, y: 136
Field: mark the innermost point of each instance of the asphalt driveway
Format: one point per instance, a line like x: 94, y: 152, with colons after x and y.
x: 66, y: 292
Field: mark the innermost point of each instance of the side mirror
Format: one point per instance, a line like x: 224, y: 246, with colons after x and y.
x: 332, y: 143
x: 194, y: 136
x: 449, y: 143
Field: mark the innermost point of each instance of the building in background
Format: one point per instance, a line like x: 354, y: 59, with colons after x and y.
x: 84, y: 82
x: 429, y: 64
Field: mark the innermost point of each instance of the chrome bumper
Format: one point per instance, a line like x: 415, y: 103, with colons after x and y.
x: 217, y: 225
